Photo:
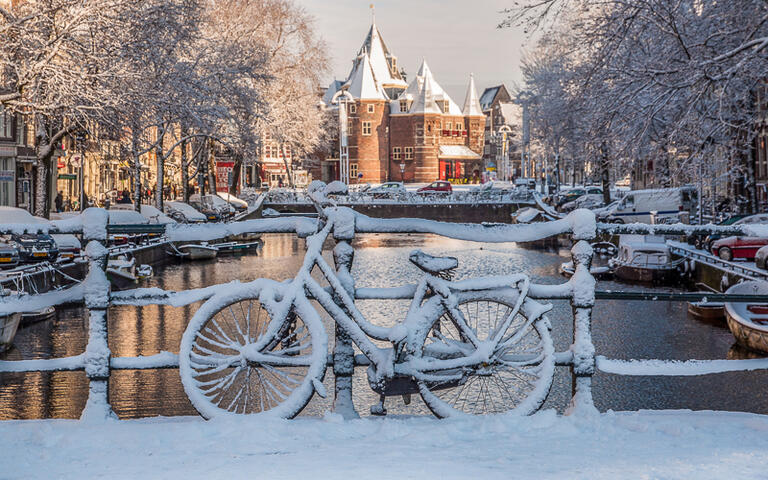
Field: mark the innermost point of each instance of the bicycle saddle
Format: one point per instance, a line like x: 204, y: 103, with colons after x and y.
x: 433, y: 265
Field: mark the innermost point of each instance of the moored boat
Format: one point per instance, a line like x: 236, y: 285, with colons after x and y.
x: 645, y: 260
x: 198, y: 251
x: 9, y: 324
x: 711, y: 312
x: 749, y: 322
x: 121, y: 272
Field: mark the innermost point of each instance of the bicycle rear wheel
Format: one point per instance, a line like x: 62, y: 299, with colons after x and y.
x: 518, y: 377
x: 214, y: 360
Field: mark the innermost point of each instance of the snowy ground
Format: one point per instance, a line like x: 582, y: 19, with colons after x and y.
x: 648, y: 445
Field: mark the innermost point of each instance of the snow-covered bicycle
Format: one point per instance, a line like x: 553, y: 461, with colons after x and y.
x: 473, y: 346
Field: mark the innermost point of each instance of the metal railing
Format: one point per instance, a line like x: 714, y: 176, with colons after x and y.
x: 97, y: 361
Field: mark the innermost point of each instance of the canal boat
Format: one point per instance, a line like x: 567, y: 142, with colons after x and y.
x: 749, y: 322
x: 597, y: 272
x: 644, y: 259
x: 235, y: 247
x: 710, y: 312
x: 198, y: 251
x: 121, y: 272
x: 9, y: 324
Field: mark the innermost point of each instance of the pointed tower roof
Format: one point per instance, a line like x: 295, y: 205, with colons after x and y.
x: 380, y: 56
x: 471, y: 101
x: 361, y: 83
x: 425, y: 100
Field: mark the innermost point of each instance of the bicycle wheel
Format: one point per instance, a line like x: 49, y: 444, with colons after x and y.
x: 227, y: 333
x: 519, y: 375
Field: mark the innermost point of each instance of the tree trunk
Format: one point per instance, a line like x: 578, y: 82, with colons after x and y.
x: 212, y: 168
x: 605, y: 174
x: 287, y: 168
x: 42, y: 200
x: 184, y: 167
x: 238, y: 166
x: 136, y: 172
x: 160, y: 167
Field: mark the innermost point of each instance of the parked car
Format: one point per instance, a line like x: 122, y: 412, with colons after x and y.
x: 706, y: 242
x: 183, y: 212
x: 69, y: 246
x: 637, y: 205
x: 761, y: 256
x: 387, y: 189
x: 236, y: 203
x: 528, y: 183
x: 9, y: 253
x: 35, y: 247
x: 588, y: 200
x: 738, y: 247
x: 439, y: 186
x: 213, y: 207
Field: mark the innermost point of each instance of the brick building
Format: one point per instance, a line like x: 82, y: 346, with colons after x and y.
x: 406, y: 131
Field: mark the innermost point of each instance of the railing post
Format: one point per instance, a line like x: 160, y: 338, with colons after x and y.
x: 582, y: 302
x: 97, y: 291
x: 343, y: 350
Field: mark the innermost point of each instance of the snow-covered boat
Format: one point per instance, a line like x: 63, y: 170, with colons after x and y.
x: 9, y: 324
x: 644, y: 259
x: 749, y: 322
x: 235, y: 247
x: 198, y: 251
x: 38, y: 315
x: 598, y: 272
x: 712, y: 312
x: 121, y: 272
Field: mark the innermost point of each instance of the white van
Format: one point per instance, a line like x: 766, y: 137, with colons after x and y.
x: 636, y: 206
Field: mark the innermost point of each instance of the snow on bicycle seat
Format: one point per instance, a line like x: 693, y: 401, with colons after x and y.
x: 433, y: 265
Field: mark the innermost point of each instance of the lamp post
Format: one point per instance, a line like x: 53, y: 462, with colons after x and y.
x: 503, y: 163
x: 342, y: 98
x: 402, y: 172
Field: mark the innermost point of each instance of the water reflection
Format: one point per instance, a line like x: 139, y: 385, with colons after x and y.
x: 621, y: 330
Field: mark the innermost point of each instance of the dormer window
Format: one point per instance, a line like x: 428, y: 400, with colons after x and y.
x: 404, y: 105
x: 352, y: 108
x: 393, y: 63
x: 446, y: 106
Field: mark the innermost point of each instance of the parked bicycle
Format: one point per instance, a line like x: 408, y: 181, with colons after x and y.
x: 473, y: 346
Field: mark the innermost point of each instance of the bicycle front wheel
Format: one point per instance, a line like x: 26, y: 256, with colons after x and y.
x: 518, y: 377
x: 218, y: 375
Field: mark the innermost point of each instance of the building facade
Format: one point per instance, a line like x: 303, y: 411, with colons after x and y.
x: 413, y: 132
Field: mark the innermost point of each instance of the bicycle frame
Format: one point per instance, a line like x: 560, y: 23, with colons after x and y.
x: 404, y: 336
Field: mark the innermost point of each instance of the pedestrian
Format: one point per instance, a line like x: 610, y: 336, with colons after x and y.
x: 59, y: 202
x: 280, y: 182
x: 85, y: 200
x: 174, y: 192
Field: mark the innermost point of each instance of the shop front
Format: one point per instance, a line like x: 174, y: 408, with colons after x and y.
x: 459, y: 164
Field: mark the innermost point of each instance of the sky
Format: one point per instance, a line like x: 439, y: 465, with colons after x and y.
x: 457, y: 37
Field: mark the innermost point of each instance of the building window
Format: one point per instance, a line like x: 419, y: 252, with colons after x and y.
x: 366, y: 128
x: 446, y: 106
x: 404, y: 105
x: 352, y: 108
x: 459, y: 126
x: 5, y: 124
x: 409, y: 153
x: 447, y: 128
x: 371, y: 108
x: 352, y: 170
x: 350, y: 123
x: 396, y: 153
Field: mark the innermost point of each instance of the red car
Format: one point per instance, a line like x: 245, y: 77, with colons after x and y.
x: 439, y: 186
x: 738, y: 247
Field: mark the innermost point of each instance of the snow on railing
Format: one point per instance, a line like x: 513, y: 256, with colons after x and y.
x: 472, y: 197
x: 97, y: 360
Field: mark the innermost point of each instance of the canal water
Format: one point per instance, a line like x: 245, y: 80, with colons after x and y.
x: 622, y: 330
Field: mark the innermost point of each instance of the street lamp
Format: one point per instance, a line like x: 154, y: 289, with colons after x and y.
x: 402, y: 172
x: 503, y: 162
x: 342, y: 98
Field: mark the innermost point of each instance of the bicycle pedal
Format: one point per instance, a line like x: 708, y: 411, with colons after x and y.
x: 379, y: 410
